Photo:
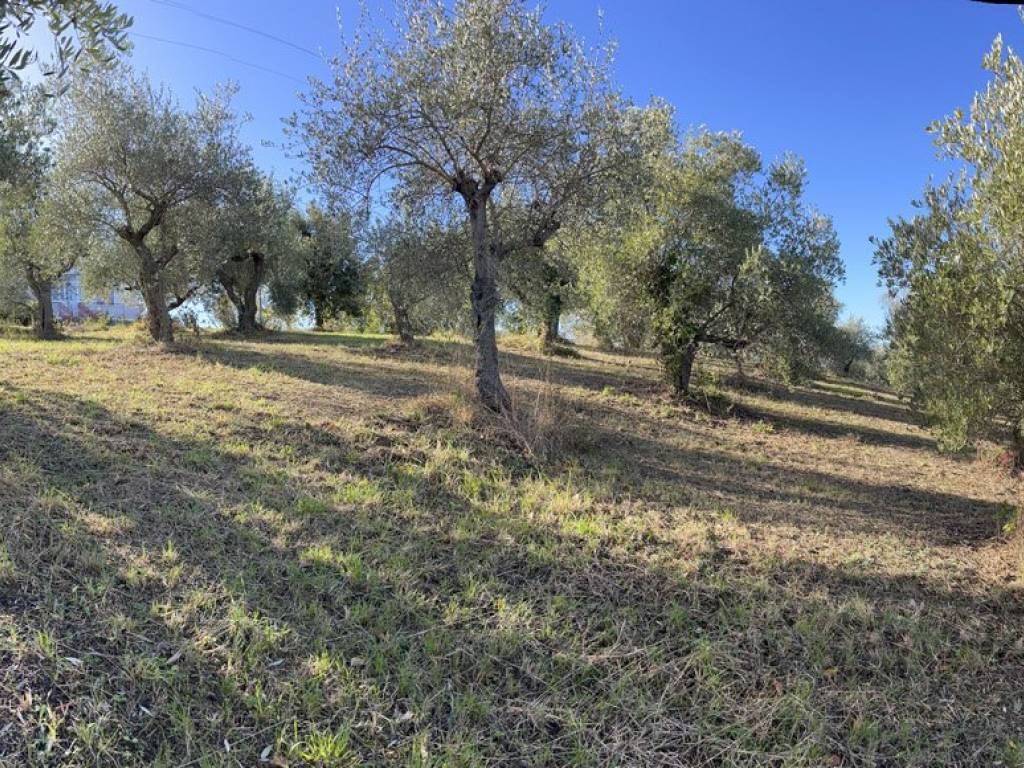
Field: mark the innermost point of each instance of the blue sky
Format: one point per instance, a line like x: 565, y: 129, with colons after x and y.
x: 850, y: 85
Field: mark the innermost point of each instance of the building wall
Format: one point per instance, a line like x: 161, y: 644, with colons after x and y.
x: 70, y: 304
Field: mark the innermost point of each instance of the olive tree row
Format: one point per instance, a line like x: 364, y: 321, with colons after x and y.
x: 465, y: 100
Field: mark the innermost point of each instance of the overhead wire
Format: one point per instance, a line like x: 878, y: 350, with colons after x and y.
x: 216, y: 52
x: 238, y: 25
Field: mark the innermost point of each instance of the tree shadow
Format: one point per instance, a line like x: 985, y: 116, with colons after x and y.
x: 813, y: 395
x: 838, y: 430
x: 759, y: 491
x: 420, y: 601
x: 363, y: 377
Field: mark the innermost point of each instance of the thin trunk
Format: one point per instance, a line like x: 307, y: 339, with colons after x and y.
x: 484, y: 298
x: 42, y: 290
x: 741, y: 374
x: 684, y: 369
x: 318, y: 316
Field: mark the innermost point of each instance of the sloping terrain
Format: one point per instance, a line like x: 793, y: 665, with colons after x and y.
x: 312, y: 550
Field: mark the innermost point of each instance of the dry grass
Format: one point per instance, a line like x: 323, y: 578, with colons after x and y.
x: 314, y: 550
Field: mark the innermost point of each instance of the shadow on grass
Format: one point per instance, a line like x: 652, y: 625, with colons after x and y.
x: 250, y: 354
x: 760, y: 491
x: 839, y: 430
x: 324, y: 596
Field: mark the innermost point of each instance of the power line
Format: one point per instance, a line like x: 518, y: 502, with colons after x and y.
x: 237, y: 25
x: 217, y: 53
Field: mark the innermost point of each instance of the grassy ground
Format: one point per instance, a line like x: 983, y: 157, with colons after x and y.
x: 307, y: 550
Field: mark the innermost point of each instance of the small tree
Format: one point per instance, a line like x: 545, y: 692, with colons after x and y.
x: 39, y: 245
x: 852, y: 341
x: 465, y: 100
x: 142, y: 168
x: 39, y: 241
x: 415, y: 267
x: 251, y: 239
x: 326, y: 277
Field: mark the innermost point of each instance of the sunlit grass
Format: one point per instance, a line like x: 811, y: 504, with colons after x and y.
x: 313, y: 550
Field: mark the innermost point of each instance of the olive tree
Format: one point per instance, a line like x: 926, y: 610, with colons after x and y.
x: 852, y: 342
x: 39, y: 242
x: 416, y: 264
x: 325, y: 276
x: 719, y: 250
x: 957, y: 274
x: 143, y: 168
x: 39, y: 245
x: 250, y: 240
x: 464, y: 99
x: 567, y: 190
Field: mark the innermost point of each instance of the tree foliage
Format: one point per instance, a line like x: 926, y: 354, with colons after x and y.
x: 957, y: 272
x: 326, y: 277
x: 418, y: 265
x: 89, y: 28
x: 250, y: 239
x: 718, y: 250
x: 145, y: 170
x: 464, y: 100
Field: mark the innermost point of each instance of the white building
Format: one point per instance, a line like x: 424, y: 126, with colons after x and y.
x: 70, y: 304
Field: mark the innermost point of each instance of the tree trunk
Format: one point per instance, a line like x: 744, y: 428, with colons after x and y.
x: 484, y: 298
x: 403, y: 325
x: 684, y: 370
x: 741, y: 374
x: 247, y: 322
x: 1018, y: 444
x: 158, y: 318
x: 42, y: 290
x: 318, y: 316
x: 247, y: 317
x: 552, y: 318
x: 243, y: 291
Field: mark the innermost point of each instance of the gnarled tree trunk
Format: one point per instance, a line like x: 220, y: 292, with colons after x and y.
x: 244, y: 292
x: 684, y: 369
x: 154, y: 294
x: 484, y: 299
x: 403, y: 324
x: 42, y: 290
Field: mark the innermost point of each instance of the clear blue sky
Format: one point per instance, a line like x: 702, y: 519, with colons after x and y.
x: 848, y: 84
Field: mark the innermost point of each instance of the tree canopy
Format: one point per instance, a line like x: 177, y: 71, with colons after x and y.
x: 465, y: 100
x: 956, y: 271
